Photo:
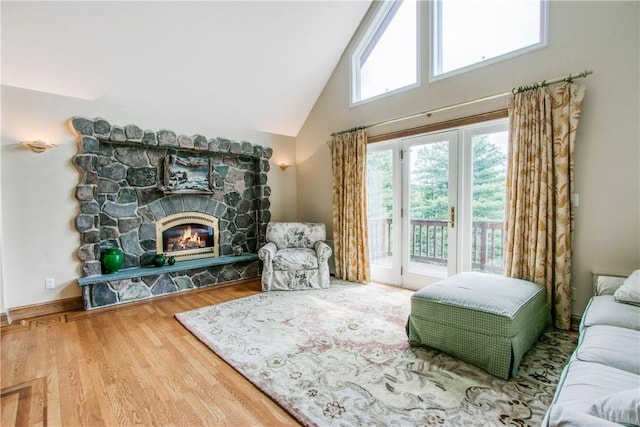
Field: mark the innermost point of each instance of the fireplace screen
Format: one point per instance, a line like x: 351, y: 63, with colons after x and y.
x: 187, y: 236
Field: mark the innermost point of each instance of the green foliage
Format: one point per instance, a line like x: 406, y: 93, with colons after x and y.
x: 380, y: 184
x: 429, y: 182
x: 489, y: 178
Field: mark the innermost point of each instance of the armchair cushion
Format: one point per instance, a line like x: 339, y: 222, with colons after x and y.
x: 295, y: 259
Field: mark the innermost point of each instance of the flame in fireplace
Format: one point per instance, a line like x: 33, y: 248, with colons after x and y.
x: 189, y: 240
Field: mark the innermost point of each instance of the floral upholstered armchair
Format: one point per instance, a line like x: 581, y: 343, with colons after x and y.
x: 295, y: 256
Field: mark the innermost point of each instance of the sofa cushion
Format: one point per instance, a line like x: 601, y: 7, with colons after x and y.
x: 295, y: 259
x: 585, y: 382
x: 629, y: 292
x: 561, y: 416
x: 604, y: 310
x: 622, y: 407
x: 612, y: 346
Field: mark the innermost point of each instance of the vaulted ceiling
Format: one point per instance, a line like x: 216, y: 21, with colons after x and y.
x: 260, y: 64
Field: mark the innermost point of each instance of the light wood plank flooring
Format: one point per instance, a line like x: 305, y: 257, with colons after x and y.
x: 134, y: 364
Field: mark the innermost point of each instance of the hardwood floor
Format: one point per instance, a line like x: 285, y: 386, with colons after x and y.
x: 134, y: 364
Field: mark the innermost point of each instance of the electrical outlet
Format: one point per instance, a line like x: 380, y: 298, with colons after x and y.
x: 50, y: 283
x: 573, y: 294
x: 575, y: 200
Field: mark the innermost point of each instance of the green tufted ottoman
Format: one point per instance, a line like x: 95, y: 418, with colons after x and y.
x: 487, y: 320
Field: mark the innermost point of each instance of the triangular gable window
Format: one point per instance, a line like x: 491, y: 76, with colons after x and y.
x: 386, y: 57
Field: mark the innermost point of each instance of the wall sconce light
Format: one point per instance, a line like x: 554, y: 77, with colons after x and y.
x: 37, y: 146
x: 283, y: 166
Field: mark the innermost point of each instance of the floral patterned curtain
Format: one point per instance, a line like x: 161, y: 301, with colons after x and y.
x: 539, y: 217
x: 350, y: 233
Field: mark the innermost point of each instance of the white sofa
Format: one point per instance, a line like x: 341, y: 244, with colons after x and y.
x: 600, y: 386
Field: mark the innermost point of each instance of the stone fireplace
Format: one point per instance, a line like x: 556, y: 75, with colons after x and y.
x: 200, y: 200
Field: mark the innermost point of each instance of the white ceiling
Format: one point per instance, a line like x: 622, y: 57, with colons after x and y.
x: 260, y: 64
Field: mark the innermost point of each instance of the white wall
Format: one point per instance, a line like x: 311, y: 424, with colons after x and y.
x: 600, y: 36
x: 38, y: 190
x: 3, y: 297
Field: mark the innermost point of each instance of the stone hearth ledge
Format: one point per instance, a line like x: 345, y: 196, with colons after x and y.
x: 139, y: 272
x: 141, y: 283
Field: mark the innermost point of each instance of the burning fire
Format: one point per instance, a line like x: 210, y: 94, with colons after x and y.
x: 188, y: 240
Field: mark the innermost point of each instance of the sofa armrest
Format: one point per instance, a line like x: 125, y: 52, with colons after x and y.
x: 607, y: 284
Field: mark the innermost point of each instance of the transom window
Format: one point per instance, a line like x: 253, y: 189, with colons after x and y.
x: 469, y: 32
x: 462, y: 34
x: 385, y: 60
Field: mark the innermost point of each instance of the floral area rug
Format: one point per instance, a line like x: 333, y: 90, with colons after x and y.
x: 340, y: 357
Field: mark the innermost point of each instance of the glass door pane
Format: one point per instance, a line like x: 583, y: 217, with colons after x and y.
x: 430, y: 170
x: 488, y: 185
x: 484, y: 194
x: 382, y: 212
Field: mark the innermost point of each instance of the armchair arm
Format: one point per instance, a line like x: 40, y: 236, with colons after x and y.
x: 267, y: 252
x: 323, y: 251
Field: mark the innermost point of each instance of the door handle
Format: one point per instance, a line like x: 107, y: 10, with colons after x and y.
x: 452, y: 217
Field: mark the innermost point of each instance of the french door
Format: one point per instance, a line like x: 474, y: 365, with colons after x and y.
x: 436, y: 204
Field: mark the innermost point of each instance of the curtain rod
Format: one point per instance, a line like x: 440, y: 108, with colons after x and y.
x: 513, y: 91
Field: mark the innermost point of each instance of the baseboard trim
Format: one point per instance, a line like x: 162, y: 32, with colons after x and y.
x: 45, y: 309
x: 76, y: 304
x: 124, y: 306
x: 5, y: 318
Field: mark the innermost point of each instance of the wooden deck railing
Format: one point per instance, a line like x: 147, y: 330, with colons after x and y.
x: 429, y: 242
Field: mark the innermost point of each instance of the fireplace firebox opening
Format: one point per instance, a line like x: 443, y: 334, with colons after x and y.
x: 188, y: 235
